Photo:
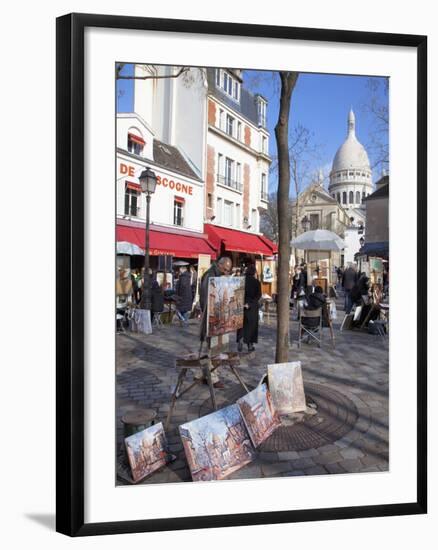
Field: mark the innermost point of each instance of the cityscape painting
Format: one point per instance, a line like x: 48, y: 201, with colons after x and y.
x: 259, y: 415
x: 147, y: 451
x: 225, y: 304
x: 216, y: 445
x: 287, y: 388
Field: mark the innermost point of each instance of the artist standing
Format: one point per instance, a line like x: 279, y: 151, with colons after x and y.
x: 253, y: 292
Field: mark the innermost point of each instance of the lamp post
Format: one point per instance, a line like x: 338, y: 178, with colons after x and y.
x: 148, y: 183
x: 361, y: 242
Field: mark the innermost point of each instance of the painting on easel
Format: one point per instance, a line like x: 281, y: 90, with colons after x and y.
x: 225, y: 305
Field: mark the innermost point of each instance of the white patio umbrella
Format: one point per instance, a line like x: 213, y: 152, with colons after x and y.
x: 123, y: 247
x: 319, y: 239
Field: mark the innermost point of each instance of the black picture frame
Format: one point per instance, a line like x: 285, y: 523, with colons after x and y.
x: 70, y: 273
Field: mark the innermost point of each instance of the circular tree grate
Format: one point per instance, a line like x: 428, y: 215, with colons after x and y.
x: 336, y: 416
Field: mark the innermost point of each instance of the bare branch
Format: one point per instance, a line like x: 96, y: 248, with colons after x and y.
x: 176, y: 75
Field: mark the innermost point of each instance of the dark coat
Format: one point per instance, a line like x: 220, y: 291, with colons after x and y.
x: 298, y: 283
x: 212, y: 271
x: 157, y: 298
x: 253, y: 293
x: 349, y: 278
x: 184, y: 295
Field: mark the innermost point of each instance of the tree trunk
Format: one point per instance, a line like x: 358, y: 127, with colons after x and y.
x: 288, y: 81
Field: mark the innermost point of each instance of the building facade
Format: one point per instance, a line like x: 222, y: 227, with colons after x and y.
x: 314, y: 209
x: 237, y: 166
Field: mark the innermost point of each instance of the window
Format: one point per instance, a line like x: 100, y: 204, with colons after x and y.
x: 363, y: 195
x: 178, y: 211
x: 239, y: 131
x: 264, y: 144
x: 254, y: 219
x: 209, y: 200
x: 238, y: 174
x: 344, y: 197
x: 135, y: 144
x: 338, y: 197
x: 219, y: 210
x: 357, y: 197
x: 220, y: 167
x: 230, y: 125
x: 229, y: 172
x: 261, y: 107
x: 264, y: 188
x: 338, y: 175
x: 131, y: 202
x: 351, y: 197
x: 221, y: 119
x: 228, y: 213
x: 351, y: 173
x: 314, y: 221
x: 228, y: 84
x: 237, y: 215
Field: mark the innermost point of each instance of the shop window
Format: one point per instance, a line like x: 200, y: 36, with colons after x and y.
x: 178, y: 211
x: 131, y: 202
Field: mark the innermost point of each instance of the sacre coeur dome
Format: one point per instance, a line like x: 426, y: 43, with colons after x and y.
x: 351, y: 154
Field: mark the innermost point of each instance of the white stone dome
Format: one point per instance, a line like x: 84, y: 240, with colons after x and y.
x: 351, y: 154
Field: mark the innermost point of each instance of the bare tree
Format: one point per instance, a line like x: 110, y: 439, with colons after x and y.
x: 288, y: 81
x: 376, y: 106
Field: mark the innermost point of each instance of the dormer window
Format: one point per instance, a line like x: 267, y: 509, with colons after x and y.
x: 261, y: 111
x: 228, y: 84
x: 135, y: 143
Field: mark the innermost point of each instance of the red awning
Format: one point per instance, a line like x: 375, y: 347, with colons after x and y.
x: 238, y: 241
x: 136, y: 139
x: 162, y: 243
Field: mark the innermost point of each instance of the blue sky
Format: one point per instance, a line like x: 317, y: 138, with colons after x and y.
x: 320, y: 103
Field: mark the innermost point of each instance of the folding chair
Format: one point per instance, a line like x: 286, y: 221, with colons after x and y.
x: 311, y: 329
x: 157, y: 321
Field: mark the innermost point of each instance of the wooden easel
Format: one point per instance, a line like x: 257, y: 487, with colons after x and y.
x: 208, y: 363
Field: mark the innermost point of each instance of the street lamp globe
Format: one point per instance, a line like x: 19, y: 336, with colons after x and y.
x: 148, y: 181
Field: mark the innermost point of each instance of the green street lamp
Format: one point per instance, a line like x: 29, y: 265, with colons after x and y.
x: 148, y: 183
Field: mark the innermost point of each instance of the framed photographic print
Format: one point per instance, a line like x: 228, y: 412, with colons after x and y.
x: 223, y: 205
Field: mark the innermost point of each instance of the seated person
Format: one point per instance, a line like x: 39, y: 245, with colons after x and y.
x: 315, y: 301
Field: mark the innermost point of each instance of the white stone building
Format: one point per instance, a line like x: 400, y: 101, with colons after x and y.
x: 237, y: 166
x: 351, y: 175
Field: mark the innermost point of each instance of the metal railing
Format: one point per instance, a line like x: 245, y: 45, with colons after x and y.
x: 229, y: 182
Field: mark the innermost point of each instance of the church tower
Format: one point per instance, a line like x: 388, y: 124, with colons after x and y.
x: 351, y: 176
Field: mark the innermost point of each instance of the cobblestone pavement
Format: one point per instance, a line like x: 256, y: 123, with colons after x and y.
x: 349, y: 381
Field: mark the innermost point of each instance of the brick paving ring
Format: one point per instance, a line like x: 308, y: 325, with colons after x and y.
x: 336, y: 416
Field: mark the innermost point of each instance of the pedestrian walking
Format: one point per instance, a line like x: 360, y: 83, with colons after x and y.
x: 253, y: 293
x: 348, y: 281
x: 183, y: 295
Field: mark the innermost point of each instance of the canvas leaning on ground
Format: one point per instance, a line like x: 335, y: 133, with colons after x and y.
x: 216, y: 445
x: 259, y: 415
